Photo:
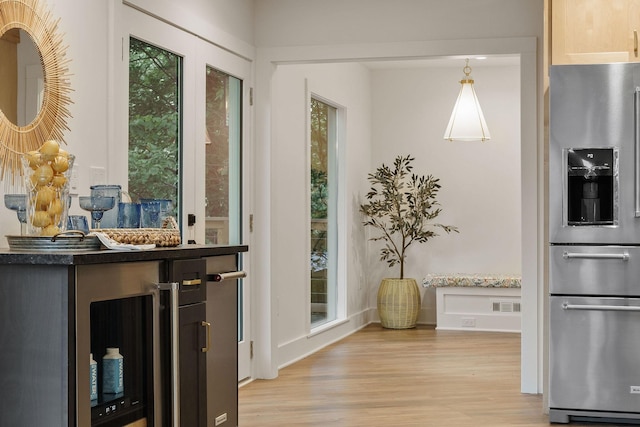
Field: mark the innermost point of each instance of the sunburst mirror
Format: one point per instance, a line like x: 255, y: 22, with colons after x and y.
x: 49, y: 121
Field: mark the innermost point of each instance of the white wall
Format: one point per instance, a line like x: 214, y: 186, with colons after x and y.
x: 229, y: 16
x: 346, y: 85
x: 480, y: 181
x: 331, y: 28
x: 405, y: 113
x: 306, y: 31
x: 337, y: 22
x: 225, y: 23
x: 88, y: 31
x: 85, y: 30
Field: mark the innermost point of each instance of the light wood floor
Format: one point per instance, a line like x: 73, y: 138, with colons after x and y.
x: 416, y: 377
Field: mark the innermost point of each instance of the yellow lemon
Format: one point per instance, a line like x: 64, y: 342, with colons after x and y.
x: 34, y: 158
x: 55, y: 208
x: 45, y: 196
x: 58, y: 180
x: 50, y: 230
x: 60, y: 164
x: 49, y: 149
x: 43, y: 174
x: 40, y: 219
x: 33, y: 180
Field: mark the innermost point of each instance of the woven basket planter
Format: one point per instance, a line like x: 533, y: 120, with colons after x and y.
x: 398, y: 303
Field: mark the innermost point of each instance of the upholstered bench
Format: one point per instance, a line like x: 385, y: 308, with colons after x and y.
x: 480, y: 302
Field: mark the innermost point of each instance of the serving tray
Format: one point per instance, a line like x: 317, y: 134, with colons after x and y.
x: 69, y: 240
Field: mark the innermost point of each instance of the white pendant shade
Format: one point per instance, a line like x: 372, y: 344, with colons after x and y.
x: 467, y: 121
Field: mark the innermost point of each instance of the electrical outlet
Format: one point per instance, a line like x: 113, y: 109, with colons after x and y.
x: 75, y: 180
x: 468, y: 322
x: 98, y: 175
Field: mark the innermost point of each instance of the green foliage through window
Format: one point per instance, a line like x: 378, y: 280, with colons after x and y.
x: 322, y: 128
x: 217, y: 128
x: 154, y: 122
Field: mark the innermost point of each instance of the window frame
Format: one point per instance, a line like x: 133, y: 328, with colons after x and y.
x: 180, y: 124
x: 339, y: 262
x: 139, y: 25
x: 194, y: 52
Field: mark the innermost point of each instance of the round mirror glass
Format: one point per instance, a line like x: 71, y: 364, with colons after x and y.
x: 21, y: 77
x: 38, y: 108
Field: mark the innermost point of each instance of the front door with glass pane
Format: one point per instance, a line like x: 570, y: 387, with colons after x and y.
x: 196, y: 119
x: 223, y: 143
x: 188, y: 123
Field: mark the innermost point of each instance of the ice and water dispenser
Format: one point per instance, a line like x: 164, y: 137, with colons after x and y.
x: 590, y: 192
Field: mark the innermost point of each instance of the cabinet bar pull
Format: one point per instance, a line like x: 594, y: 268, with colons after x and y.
x: 219, y: 277
x: 207, y: 325
x: 569, y: 255
x: 635, y: 42
x: 193, y: 282
x: 567, y: 306
x: 175, y: 350
x: 636, y: 142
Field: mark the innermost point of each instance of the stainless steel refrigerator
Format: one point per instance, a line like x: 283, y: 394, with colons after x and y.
x: 594, y: 235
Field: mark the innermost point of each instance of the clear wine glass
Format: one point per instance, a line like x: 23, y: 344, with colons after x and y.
x: 18, y: 203
x: 97, y: 205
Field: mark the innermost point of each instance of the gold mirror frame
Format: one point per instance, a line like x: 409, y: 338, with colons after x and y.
x: 51, y: 121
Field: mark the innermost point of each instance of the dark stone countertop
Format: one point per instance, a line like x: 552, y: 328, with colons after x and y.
x: 70, y: 257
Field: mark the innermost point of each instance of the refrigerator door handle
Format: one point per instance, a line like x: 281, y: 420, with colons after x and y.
x: 578, y: 255
x: 636, y: 143
x: 173, y: 289
x: 567, y: 306
x: 219, y: 277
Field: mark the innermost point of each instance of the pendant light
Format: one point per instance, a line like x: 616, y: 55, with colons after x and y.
x: 467, y: 122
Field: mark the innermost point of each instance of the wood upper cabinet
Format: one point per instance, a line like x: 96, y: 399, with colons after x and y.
x: 594, y: 31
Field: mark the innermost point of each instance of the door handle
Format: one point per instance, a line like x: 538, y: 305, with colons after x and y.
x: 578, y: 255
x: 636, y: 140
x: 219, y: 277
x: 192, y: 282
x: 207, y: 326
x: 567, y: 306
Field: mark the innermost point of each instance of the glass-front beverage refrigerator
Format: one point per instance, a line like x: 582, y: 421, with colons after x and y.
x: 118, y: 313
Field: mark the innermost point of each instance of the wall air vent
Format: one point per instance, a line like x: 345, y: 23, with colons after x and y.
x: 505, y: 307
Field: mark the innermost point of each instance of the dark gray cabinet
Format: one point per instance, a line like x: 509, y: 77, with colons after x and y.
x: 36, y: 335
x: 194, y: 335
x: 208, y: 341
x: 222, y: 357
x: 44, y: 325
x: 193, y: 372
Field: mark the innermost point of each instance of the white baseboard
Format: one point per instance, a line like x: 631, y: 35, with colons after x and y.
x: 301, y: 347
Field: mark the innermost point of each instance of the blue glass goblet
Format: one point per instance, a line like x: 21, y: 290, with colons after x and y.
x: 18, y: 203
x: 97, y: 205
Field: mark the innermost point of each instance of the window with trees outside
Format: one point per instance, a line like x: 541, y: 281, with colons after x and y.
x: 223, y: 187
x: 323, y: 185
x: 155, y: 136
x: 223, y: 190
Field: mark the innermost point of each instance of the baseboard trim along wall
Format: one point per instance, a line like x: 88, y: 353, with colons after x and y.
x: 301, y: 347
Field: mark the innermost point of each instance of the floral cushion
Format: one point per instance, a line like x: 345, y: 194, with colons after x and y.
x: 471, y: 280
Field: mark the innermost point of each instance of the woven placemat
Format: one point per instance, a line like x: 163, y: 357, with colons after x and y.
x: 167, y: 236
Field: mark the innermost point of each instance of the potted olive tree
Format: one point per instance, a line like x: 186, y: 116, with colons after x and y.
x: 400, y: 207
